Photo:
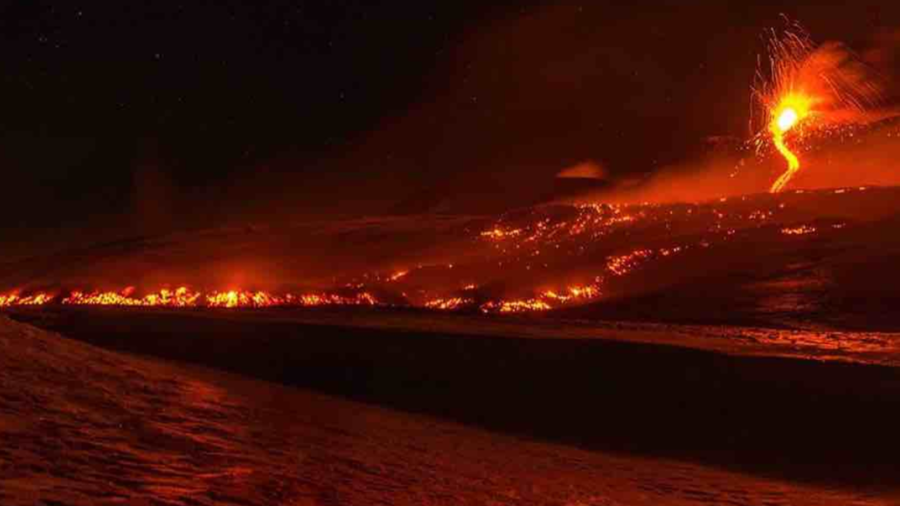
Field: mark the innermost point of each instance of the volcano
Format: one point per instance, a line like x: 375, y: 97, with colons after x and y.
x: 450, y: 253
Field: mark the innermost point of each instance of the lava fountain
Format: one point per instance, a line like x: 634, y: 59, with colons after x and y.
x: 793, y: 109
x: 808, y: 87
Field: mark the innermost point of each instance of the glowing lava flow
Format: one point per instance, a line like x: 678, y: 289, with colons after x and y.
x: 801, y: 230
x: 821, y: 87
x: 448, y: 304
x: 544, y: 259
x: 186, y: 298
x: 11, y: 300
x: 243, y: 299
x: 181, y: 297
x: 793, y: 109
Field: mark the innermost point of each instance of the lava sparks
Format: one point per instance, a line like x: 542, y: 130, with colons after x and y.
x: 528, y: 261
x: 809, y: 87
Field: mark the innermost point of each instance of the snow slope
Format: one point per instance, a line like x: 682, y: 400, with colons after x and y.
x: 80, y: 425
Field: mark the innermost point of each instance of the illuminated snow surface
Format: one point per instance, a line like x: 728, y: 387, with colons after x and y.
x: 81, y: 425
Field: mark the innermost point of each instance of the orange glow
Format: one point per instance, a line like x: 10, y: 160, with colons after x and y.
x: 245, y: 299
x: 11, y: 300
x: 545, y: 301
x: 812, y: 87
x: 181, y: 297
x: 448, y: 304
x: 186, y: 298
x: 793, y: 109
x: 787, y: 119
x: 801, y: 230
x: 572, y: 293
x: 398, y: 275
x: 536, y: 250
x: 237, y: 298
x: 623, y: 264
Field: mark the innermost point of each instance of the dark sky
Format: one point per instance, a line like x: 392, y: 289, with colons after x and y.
x: 162, y: 115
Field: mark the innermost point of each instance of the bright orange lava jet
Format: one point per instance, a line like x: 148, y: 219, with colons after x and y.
x: 793, y: 109
x: 821, y: 87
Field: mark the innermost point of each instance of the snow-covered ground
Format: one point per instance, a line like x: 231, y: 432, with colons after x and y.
x: 82, y: 425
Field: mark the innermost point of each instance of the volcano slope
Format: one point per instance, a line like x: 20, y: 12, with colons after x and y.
x: 805, y: 259
x: 752, y: 337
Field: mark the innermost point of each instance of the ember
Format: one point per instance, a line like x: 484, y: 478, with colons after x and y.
x: 448, y: 304
x: 622, y: 265
x: 515, y: 306
x: 186, y: 298
x: 15, y: 300
x: 801, y: 230
x: 181, y: 297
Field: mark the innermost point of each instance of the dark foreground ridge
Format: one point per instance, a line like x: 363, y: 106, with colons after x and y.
x: 828, y: 423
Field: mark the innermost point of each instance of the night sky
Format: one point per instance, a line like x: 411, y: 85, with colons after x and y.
x: 156, y: 116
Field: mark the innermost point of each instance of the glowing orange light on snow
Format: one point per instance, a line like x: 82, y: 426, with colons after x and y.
x: 523, y: 248
x: 447, y: 304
